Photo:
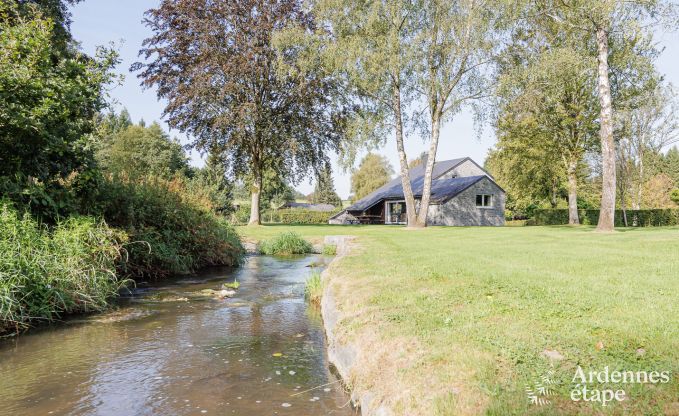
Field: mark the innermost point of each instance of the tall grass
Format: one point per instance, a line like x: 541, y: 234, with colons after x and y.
x: 172, y: 228
x: 313, y: 291
x: 285, y: 244
x: 45, y: 273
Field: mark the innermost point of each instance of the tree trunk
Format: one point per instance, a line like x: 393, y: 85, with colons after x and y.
x: 640, y: 185
x: 553, y: 202
x: 411, y: 215
x: 607, y: 211
x: 573, y: 218
x: 429, y: 170
x: 254, y: 205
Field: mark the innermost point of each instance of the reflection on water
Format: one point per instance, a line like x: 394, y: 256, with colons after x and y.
x: 168, y: 350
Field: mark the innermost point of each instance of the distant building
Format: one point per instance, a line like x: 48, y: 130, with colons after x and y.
x: 462, y: 194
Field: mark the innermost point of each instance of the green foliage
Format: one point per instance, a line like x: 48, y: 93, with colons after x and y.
x: 139, y: 151
x: 324, y: 192
x: 635, y: 218
x: 674, y: 196
x: 304, y: 216
x: 172, y: 228
x: 285, y: 244
x: 373, y: 172
x: 45, y: 273
x: 313, y: 290
x: 50, y: 96
x: 329, y: 249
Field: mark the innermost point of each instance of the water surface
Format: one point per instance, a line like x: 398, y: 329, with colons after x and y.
x: 170, y: 350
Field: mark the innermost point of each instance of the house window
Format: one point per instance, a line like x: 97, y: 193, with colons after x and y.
x: 395, y: 212
x: 484, y: 201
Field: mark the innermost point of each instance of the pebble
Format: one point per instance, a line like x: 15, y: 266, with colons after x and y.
x: 292, y: 373
x: 286, y: 405
x: 327, y: 389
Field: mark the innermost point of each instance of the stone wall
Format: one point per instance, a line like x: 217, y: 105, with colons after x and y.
x: 462, y: 210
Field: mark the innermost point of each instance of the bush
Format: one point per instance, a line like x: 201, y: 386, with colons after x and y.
x: 46, y: 272
x: 635, y: 218
x: 285, y: 244
x: 313, y: 291
x: 329, y: 249
x: 172, y: 229
x: 304, y: 216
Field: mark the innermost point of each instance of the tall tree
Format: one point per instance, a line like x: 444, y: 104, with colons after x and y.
x: 214, y: 63
x: 456, y: 41
x: 370, y: 46
x: 373, y: 172
x: 547, y: 102
x: 139, y: 151
x: 324, y: 192
x: 56, y: 91
x: 607, y: 22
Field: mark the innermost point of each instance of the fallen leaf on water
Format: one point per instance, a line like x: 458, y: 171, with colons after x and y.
x: 277, y: 354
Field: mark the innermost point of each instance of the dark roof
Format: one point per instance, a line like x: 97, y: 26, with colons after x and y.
x: 441, y: 190
x: 311, y: 207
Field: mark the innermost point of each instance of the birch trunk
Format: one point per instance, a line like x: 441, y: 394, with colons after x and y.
x: 573, y: 218
x: 429, y: 170
x: 607, y: 211
x: 411, y: 215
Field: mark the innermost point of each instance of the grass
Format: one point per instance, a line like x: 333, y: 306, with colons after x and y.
x: 313, y: 290
x: 45, y: 273
x: 285, y: 244
x: 460, y: 320
x: 329, y: 249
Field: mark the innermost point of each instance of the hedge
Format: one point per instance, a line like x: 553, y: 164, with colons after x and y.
x: 635, y: 218
x: 284, y: 216
x: 304, y: 216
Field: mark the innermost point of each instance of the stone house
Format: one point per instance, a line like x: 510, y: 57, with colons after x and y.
x: 463, y: 194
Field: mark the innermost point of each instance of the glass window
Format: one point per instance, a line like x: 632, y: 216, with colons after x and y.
x: 484, y: 200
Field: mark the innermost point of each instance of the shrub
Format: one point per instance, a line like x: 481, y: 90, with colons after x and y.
x: 305, y: 216
x: 172, y: 229
x: 635, y: 218
x: 313, y: 291
x: 285, y: 244
x: 46, y: 272
x: 330, y: 249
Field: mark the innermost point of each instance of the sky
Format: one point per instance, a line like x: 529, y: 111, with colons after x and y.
x: 100, y: 22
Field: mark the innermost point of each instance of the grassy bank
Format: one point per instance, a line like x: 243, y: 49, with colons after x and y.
x: 462, y: 320
x: 147, y: 228
x: 47, y: 272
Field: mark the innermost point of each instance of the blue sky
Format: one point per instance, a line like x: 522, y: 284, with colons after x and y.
x: 99, y: 22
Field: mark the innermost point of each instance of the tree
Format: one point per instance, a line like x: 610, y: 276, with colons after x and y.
x: 608, y: 22
x: 369, y: 46
x: 421, y: 160
x: 231, y: 89
x: 373, y: 172
x: 644, y: 129
x: 457, y: 42
x: 139, y: 151
x: 55, y: 93
x: 548, y: 108
x: 324, y: 192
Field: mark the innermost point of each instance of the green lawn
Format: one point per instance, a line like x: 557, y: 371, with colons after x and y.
x: 457, y: 320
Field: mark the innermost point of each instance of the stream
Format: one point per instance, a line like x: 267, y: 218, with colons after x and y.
x: 169, y: 349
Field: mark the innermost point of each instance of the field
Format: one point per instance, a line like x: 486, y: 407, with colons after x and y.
x: 465, y: 320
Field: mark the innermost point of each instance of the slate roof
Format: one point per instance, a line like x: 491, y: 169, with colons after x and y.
x: 441, y: 190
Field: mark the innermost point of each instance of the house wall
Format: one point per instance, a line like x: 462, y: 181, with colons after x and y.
x: 462, y: 210
x: 464, y: 169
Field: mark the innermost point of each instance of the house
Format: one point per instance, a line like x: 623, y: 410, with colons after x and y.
x: 462, y: 194
x: 310, y: 207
